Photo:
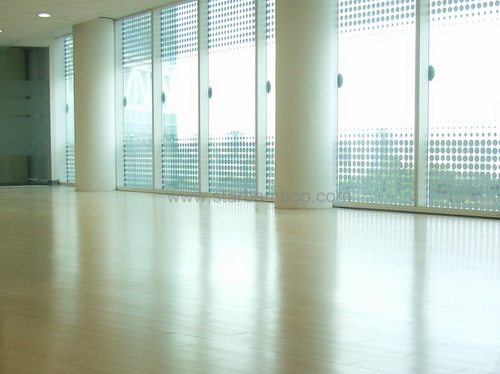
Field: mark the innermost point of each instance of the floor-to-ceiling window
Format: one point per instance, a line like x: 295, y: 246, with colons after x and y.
x: 137, y: 152
x: 419, y: 95
x: 231, y: 63
x: 271, y: 97
x: 464, y: 105
x: 179, y: 97
x: 401, y: 141
x: 376, y: 101
x: 198, y: 98
x: 70, y: 111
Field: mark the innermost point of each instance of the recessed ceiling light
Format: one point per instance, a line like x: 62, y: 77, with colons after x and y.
x: 43, y: 15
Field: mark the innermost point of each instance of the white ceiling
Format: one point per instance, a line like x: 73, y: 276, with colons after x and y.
x: 21, y: 25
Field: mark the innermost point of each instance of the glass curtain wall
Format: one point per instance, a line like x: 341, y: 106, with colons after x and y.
x: 376, y: 101
x: 189, y: 78
x: 464, y: 105
x: 179, y: 56
x: 231, y: 46
x: 70, y: 111
x: 137, y: 101
x: 450, y: 159
x: 271, y: 95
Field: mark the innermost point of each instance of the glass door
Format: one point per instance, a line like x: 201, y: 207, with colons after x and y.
x: 179, y: 56
x: 271, y: 96
x: 137, y: 101
x: 376, y: 101
x: 70, y: 109
x: 464, y: 105
x: 231, y: 60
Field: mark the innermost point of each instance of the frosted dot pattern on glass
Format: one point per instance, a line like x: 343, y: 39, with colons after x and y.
x: 463, y: 11
x: 369, y: 16
x: 180, y: 164
x: 138, y: 161
x: 271, y: 104
x: 232, y: 23
x: 137, y: 50
x: 464, y: 168
x: 231, y: 39
x: 179, y: 54
x: 68, y: 58
x: 464, y: 132
x: 70, y: 123
x: 137, y: 102
x: 376, y: 102
x: 271, y: 19
x: 270, y: 166
x: 179, y: 30
x: 376, y: 166
x: 232, y: 164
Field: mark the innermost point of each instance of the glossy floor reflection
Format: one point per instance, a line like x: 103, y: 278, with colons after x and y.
x: 124, y: 282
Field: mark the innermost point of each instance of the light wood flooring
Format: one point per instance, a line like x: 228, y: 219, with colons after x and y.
x: 123, y: 282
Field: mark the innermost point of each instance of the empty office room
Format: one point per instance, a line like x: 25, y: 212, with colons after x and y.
x: 250, y: 186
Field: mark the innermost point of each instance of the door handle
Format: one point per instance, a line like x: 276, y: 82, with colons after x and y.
x: 431, y: 73
x: 340, y: 80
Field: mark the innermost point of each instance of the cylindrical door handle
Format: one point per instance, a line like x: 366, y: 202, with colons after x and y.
x: 268, y: 87
x: 163, y: 98
x: 431, y: 73
x: 210, y: 92
x: 340, y: 80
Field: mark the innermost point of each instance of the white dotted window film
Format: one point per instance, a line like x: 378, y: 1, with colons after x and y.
x: 463, y: 11
x: 376, y: 151
x: 464, y: 110
x: 270, y: 165
x: 231, y: 23
x: 376, y: 166
x: 464, y: 168
x: 271, y: 20
x: 271, y: 97
x: 179, y: 32
x: 371, y: 16
x: 179, y: 55
x: 70, y: 114
x: 137, y: 102
x: 231, y: 38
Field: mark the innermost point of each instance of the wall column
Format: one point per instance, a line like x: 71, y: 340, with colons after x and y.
x: 94, y: 105
x: 305, y: 103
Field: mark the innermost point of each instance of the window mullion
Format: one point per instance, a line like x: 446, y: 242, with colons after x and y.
x: 119, y: 98
x: 203, y: 74
x: 421, y: 102
x: 261, y: 97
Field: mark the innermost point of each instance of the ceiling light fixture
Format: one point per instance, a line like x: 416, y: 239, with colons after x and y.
x: 43, y: 15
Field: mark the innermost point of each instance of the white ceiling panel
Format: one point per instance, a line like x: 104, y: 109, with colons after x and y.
x: 21, y: 25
